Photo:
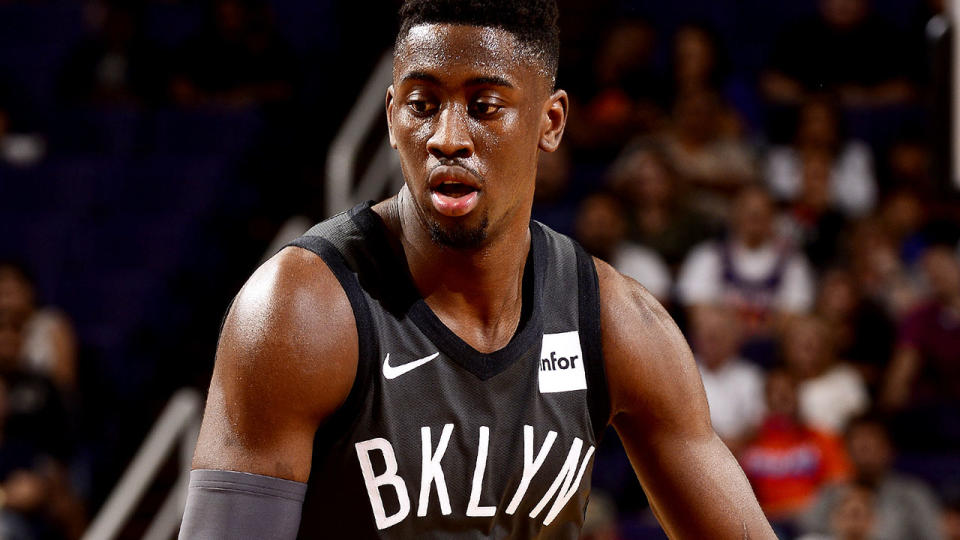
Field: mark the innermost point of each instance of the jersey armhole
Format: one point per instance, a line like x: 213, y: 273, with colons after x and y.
x: 340, y: 420
x: 598, y: 395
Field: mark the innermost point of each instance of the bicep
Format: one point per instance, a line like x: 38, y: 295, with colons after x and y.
x: 285, y: 361
x: 660, y: 412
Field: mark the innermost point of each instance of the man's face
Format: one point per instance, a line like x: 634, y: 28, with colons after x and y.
x: 753, y: 218
x: 716, y: 336
x: 942, y: 272
x: 11, y: 339
x: 468, y: 110
x: 781, y: 394
x: 843, y: 13
x: 870, y: 451
x: 853, y: 517
x: 806, y: 347
x: 600, y: 225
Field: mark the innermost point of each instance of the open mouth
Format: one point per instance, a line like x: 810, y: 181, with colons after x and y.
x: 454, y: 189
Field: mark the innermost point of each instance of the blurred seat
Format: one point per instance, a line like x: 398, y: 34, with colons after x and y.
x: 169, y: 24
x: 40, y: 240
x: 226, y: 132
x: 307, y: 25
x: 172, y: 183
x: 35, y: 39
x: 96, y: 130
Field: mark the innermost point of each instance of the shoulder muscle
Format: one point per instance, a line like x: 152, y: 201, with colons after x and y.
x: 286, y: 360
x: 651, y: 372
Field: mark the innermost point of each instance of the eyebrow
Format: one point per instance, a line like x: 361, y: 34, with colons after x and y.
x: 488, y: 80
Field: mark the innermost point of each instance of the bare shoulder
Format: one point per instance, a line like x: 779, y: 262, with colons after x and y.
x: 286, y: 360
x: 650, y: 368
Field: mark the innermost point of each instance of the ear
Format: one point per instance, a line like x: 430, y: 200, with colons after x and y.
x: 554, y: 120
x: 393, y: 140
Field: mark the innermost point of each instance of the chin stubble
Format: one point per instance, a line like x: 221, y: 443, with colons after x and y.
x: 458, y: 236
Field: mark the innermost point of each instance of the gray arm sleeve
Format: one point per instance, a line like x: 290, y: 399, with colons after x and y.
x: 237, y: 505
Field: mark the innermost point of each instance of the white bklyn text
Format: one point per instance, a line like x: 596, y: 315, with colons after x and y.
x: 563, y: 487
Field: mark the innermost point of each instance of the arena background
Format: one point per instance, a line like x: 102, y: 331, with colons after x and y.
x: 153, y: 153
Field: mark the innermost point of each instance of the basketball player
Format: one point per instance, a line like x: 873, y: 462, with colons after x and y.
x: 437, y: 365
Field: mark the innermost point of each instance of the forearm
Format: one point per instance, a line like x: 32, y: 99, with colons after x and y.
x: 699, y: 489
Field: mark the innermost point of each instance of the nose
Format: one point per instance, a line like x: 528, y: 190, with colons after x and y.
x: 451, y: 138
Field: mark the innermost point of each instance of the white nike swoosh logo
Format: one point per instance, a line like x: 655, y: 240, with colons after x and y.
x: 392, y: 372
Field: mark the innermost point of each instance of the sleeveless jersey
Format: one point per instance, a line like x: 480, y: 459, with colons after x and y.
x: 438, y: 440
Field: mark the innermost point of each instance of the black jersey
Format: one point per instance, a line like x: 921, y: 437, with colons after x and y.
x: 438, y: 440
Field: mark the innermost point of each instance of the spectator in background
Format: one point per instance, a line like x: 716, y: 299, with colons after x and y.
x: 811, y: 221
x: 851, y: 188
x: 17, y: 147
x: 238, y: 59
x: 552, y: 203
x: 852, y: 517
x: 625, y: 94
x: 951, y: 521
x: 860, y: 330
x: 698, y: 63
x: 903, y: 507
x: 49, y: 341
x: 753, y: 271
x: 734, y: 387
x: 923, y: 379
x: 903, y: 216
x: 877, y: 268
x: 601, y: 227
x: 701, y: 63
x: 706, y: 152
x: 788, y: 461
x: 910, y: 166
x: 115, y: 65
x: 847, y: 50
x: 22, y: 487
x: 34, y: 444
x: 600, y: 520
x: 661, y: 216
x: 830, y: 392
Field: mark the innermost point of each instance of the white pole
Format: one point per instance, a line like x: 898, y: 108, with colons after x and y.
x: 178, y: 420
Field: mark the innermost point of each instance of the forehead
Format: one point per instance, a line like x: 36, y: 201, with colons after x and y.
x: 447, y: 50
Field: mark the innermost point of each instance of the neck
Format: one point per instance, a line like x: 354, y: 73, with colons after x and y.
x: 475, y: 292
x: 752, y: 244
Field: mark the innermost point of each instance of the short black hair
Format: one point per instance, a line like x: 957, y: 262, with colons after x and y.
x: 870, y: 418
x: 532, y: 22
x: 19, y: 269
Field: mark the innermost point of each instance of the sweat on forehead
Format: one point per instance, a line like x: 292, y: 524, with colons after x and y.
x: 430, y: 45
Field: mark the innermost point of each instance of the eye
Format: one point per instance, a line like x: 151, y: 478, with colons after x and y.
x: 420, y: 105
x: 484, y: 108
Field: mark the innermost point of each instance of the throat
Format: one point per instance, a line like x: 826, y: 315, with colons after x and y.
x: 482, y: 296
x: 487, y: 321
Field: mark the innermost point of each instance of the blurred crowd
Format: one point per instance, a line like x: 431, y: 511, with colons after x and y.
x: 816, y: 274
x: 784, y: 193
x: 37, y: 365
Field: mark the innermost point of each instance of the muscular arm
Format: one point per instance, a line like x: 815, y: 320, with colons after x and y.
x: 659, y: 409
x: 286, y: 360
